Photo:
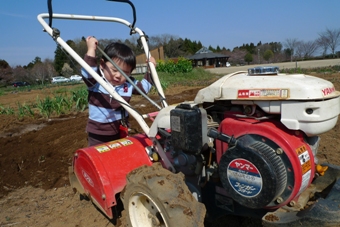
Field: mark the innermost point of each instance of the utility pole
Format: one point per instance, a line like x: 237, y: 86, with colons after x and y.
x: 258, y: 56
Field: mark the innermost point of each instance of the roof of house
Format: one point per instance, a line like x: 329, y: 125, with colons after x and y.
x: 206, y: 53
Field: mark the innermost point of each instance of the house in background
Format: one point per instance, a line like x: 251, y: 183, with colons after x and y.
x: 208, y: 59
x: 141, y: 66
x: 203, y: 58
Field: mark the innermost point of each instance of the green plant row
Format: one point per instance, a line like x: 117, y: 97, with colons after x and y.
x: 66, y: 100
x: 63, y: 102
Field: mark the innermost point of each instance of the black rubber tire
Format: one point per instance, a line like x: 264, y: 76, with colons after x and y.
x: 154, y: 196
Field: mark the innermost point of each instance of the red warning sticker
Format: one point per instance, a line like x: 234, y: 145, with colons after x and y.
x: 304, y: 158
x: 263, y: 93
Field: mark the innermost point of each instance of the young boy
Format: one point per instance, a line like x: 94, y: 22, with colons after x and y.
x: 105, y: 113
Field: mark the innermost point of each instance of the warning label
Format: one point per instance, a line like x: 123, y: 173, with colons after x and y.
x: 114, y: 145
x: 263, y: 93
x: 102, y: 148
x: 304, y: 158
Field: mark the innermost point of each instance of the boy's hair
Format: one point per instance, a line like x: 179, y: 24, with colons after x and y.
x: 121, y: 52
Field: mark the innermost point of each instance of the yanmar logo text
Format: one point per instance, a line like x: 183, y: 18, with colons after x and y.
x: 328, y: 91
x: 87, y: 178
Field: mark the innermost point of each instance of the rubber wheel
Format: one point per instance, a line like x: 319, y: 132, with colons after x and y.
x: 154, y: 196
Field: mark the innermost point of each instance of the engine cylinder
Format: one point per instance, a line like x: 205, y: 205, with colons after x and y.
x: 253, y: 174
x: 268, y: 167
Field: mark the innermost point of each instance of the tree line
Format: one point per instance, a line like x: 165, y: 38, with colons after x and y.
x: 292, y: 49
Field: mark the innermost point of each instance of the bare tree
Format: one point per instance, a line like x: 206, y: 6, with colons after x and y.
x: 291, y: 44
x: 6, y: 73
x: 161, y: 40
x: 332, y: 38
x: 21, y: 74
x: 306, y: 49
x: 50, y: 71
x: 43, y: 71
x: 38, y: 73
x: 237, y: 56
x: 66, y: 70
x: 322, y: 42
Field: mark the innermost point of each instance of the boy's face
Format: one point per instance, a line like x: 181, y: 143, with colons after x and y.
x: 112, y: 74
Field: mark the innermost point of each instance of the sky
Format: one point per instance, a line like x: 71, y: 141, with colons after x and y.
x: 226, y: 23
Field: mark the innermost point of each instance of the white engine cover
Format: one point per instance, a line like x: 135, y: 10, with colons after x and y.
x: 306, y: 103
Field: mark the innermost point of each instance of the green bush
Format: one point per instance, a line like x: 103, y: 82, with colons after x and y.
x: 182, y: 66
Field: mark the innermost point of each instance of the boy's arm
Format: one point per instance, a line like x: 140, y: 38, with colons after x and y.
x: 147, y: 75
x: 146, y: 83
x: 90, y: 56
x: 90, y: 59
x: 91, y: 43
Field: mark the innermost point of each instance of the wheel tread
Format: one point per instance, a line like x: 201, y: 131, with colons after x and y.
x: 169, y: 191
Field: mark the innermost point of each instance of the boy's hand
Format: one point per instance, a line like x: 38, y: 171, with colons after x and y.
x: 91, y: 43
x: 152, y: 60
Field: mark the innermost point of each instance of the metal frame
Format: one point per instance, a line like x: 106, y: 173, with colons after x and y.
x: 164, y: 121
x: 54, y: 33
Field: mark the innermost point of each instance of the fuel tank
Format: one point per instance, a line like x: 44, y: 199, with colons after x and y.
x: 304, y: 102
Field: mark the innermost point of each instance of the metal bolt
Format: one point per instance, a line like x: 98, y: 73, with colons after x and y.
x: 154, y: 220
x: 279, y: 151
x: 279, y: 200
x: 292, y: 203
x: 103, y: 196
x: 247, y: 110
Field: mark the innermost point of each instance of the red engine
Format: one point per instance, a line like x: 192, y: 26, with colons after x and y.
x: 259, y: 163
x: 269, y: 165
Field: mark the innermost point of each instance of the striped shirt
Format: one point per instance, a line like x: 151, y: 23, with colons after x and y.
x: 105, y: 112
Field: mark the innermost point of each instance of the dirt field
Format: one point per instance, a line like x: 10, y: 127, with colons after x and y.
x: 35, y: 155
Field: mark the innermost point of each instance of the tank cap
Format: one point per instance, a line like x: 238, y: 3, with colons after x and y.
x: 265, y: 70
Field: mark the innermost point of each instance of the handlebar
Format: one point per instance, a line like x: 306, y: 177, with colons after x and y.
x: 133, y: 12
